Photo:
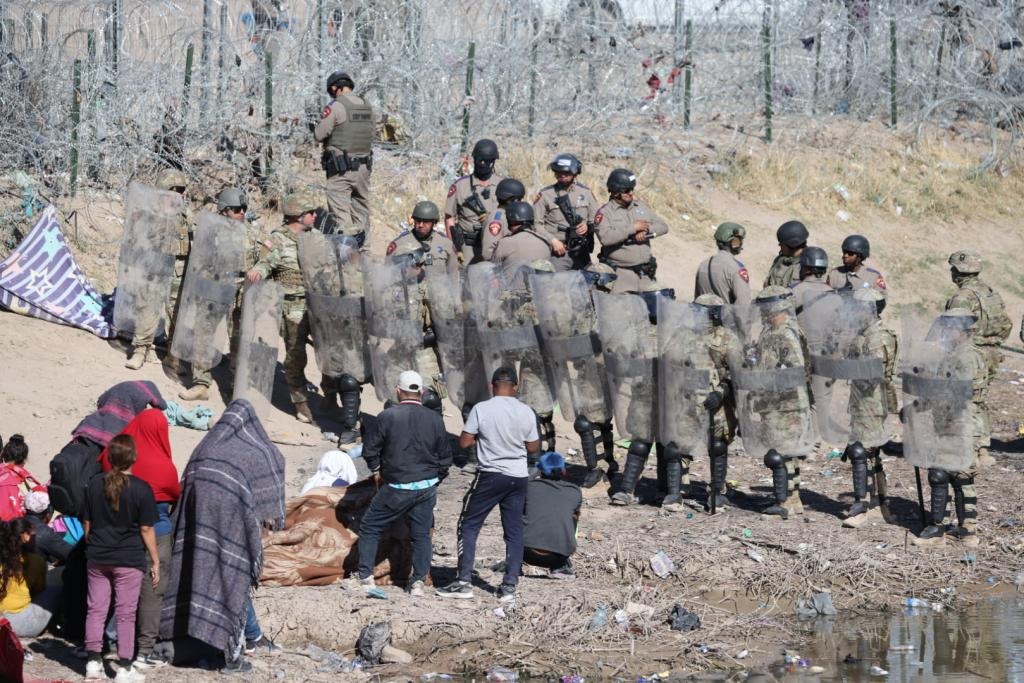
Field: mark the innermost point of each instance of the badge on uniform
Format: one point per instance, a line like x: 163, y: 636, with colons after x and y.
x: 494, y: 228
x: 451, y: 190
x: 744, y: 275
x: 880, y: 282
x: 391, y: 248
x: 598, y: 218
x: 327, y: 110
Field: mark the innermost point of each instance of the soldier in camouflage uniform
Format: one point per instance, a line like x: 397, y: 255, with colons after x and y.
x: 281, y: 263
x: 992, y: 329
x: 471, y: 199
x: 439, y: 251
x: 174, y: 181
x: 553, y: 206
x: 956, y: 327
x: 721, y: 344
x: 871, y: 402
x: 785, y: 269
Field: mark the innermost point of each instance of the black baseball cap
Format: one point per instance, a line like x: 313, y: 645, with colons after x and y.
x: 505, y: 373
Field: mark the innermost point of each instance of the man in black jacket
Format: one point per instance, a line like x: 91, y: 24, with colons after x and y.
x: 408, y: 452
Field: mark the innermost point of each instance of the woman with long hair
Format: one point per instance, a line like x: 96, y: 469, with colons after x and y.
x: 24, y: 599
x: 120, y: 512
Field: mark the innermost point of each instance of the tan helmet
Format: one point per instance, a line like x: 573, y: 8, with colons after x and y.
x: 542, y: 265
x: 298, y: 203
x: 965, y: 262
x: 171, y: 178
x: 775, y: 299
x: 709, y: 300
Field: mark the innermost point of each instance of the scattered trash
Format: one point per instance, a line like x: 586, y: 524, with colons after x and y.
x: 841, y: 190
x: 833, y: 454
x: 815, y: 670
x: 877, y: 671
x: 828, y: 474
x: 991, y: 580
x: 572, y: 451
x: 611, y: 566
x: 1018, y: 579
x: 747, y: 533
x: 372, y: 641
x: 790, y: 657
x: 636, y: 609
x: 600, y: 618
x: 683, y: 619
x: 393, y: 655
x: 754, y: 555
x: 948, y: 590
x: 689, y: 515
x: 938, y: 607
x: 662, y: 564
x: 331, y: 662
x: 435, y: 676
x: 969, y: 558
x: 500, y: 673
x: 844, y: 216
x: 653, y: 678
x: 742, y: 654
x: 498, y: 612
x: 377, y: 593
x: 818, y: 605
x: 622, y: 620
x: 706, y: 649
x: 914, y: 602
x: 573, y: 678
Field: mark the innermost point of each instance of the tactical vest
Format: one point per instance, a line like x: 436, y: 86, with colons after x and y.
x: 355, y: 135
x: 993, y: 323
x: 291, y: 279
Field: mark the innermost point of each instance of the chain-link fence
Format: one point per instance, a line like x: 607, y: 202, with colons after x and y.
x: 93, y: 91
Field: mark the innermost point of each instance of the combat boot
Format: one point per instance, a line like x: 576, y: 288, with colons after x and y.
x: 138, y: 357
x: 933, y: 535
x: 595, y: 475
x: 636, y: 457
x: 302, y: 413
x: 869, y: 514
x: 198, y: 392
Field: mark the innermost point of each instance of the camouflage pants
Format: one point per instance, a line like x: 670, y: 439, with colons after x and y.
x: 203, y: 376
x: 533, y: 386
x: 965, y: 482
x: 348, y: 198
x: 295, y: 333
x: 993, y: 359
x: 793, y: 474
x: 429, y: 366
x: 867, y: 428
x: 144, y: 337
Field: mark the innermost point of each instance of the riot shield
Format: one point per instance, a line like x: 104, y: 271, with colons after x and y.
x: 629, y: 343
x: 334, y: 300
x: 567, y: 323
x: 769, y: 378
x: 685, y: 369
x: 146, y: 264
x: 447, y: 318
x: 259, y: 339
x: 937, y: 392
x: 208, y: 292
x: 394, y: 323
x: 847, y: 375
x: 505, y: 323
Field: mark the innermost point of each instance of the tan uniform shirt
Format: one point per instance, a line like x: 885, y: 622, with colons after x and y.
x: 547, y: 214
x: 844, y: 278
x: 461, y: 190
x: 520, y: 249
x: 440, y: 250
x: 497, y: 229
x: 723, y: 275
x: 333, y: 115
x: 615, y: 226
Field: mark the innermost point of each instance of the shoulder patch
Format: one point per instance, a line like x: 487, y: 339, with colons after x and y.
x: 744, y: 274
x: 392, y: 245
x: 451, y: 190
x: 537, y: 197
x: 268, y: 243
x: 494, y: 228
x: 327, y: 110
x: 598, y: 217
x: 879, y: 281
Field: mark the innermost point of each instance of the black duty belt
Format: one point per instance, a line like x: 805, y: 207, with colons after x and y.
x: 294, y: 297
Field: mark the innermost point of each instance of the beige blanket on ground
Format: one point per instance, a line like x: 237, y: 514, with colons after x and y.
x: 317, y: 545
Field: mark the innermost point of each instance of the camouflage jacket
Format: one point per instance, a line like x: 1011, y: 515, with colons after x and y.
x: 993, y: 325
x: 784, y: 271
x: 281, y: 262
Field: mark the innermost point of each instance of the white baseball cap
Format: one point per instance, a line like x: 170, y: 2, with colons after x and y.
x: 410, y: 380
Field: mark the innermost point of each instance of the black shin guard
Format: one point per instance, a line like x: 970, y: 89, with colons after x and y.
x: 636, y: 458
x: 776, y: 462
x: 858, y: 456
x: 674, y: 467
x: 588, y: 444
x: 938, y: 480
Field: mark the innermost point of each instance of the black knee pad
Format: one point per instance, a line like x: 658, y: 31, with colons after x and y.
x: 938, y: 477
x: 581, y: 425
x: 430, y: 399
x: 671, y: 453
x: 773, y: 459
x: 640, y: 449
x: 856, y: 452
x: 348, y: 383
x: 718, y: 448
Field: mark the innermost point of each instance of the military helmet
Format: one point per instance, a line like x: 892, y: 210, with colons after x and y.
x: 542, y: 265
x: 426, y: 211
x: 298, y: 203
x: 171, y: 178
x: 339, y: 79
x: 726, y: 231
x: 814, y: 258
x: 713, y: 303
x: 486, y: 150
x: 774, y: 299
x: 792, y: 234
x: 857, y: 244
x: 566, y: 163
x: 621, y: 180
x: 599, y: 275
x: 519, y: 213
x: 231, y: 197
x: 965, y: 262
x: 509, y: 189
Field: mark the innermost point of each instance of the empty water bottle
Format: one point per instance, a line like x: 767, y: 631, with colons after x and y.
x: 915, y: 602
x: 599, y: 619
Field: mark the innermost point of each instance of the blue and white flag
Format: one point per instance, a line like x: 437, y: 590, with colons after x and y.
x: 40, y: 279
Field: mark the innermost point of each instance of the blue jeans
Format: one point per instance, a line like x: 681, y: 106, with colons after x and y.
x: 252, y: 628
x: 387, y: 506
x: 488, y: 490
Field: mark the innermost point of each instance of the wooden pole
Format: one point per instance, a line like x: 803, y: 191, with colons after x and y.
x: 892, y: 72
x: 766, y: 49
x: 470, y: 59
x: 688, y: 74
x: 76, y: 100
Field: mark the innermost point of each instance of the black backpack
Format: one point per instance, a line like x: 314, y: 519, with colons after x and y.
x: 70, y: 471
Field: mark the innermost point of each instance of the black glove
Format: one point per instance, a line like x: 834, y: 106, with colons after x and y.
x: 713, y: 401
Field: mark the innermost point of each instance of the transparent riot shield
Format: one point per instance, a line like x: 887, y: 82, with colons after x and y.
x: 567, y: 322
x: 506, y: 325
x: 629, y: 342
x: 146, y: 264
x: 769, y: 375
x: 935, y: 370
x: 685, y: 369
x: 208, y: 292
x: 448, y: 321
x: 334, y: 299
x: 258, y: 343
x: 394, y: 322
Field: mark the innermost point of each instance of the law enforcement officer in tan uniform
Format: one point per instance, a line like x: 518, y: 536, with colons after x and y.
x: 811, y: 287
x: 785, y: 269
x: 471, y: 200
x: 509, y: 190
x: 346, y: 131
x: 625, y: 226
x: 439, y: 251
x: 853, y: 274
x: 171, y: 180
x: 523, y: 246
x: 567, y: 200
x: 231, y: 203
x: 281, y: 263
x: 991, y: 330
x: 723, y: 274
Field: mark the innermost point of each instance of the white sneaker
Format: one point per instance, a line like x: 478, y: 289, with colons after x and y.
x: 129, y: 675
x: 354, y: 583
x: 417, y: 589
x: 94, y: 671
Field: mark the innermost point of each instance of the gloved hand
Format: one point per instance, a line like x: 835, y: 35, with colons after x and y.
x: 713, y: 401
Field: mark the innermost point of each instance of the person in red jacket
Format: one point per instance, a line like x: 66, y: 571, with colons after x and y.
x: 154, y: 466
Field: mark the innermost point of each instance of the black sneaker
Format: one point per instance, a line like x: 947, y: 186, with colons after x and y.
x: 456, y: 589
x: 262, y: 646
x: 564, y: 572
x: 150, y: 660
x: 239, y: 665
x: 507, y: 593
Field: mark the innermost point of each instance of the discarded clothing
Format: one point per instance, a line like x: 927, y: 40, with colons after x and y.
x: 819, y: 605
x: 179, y: 416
